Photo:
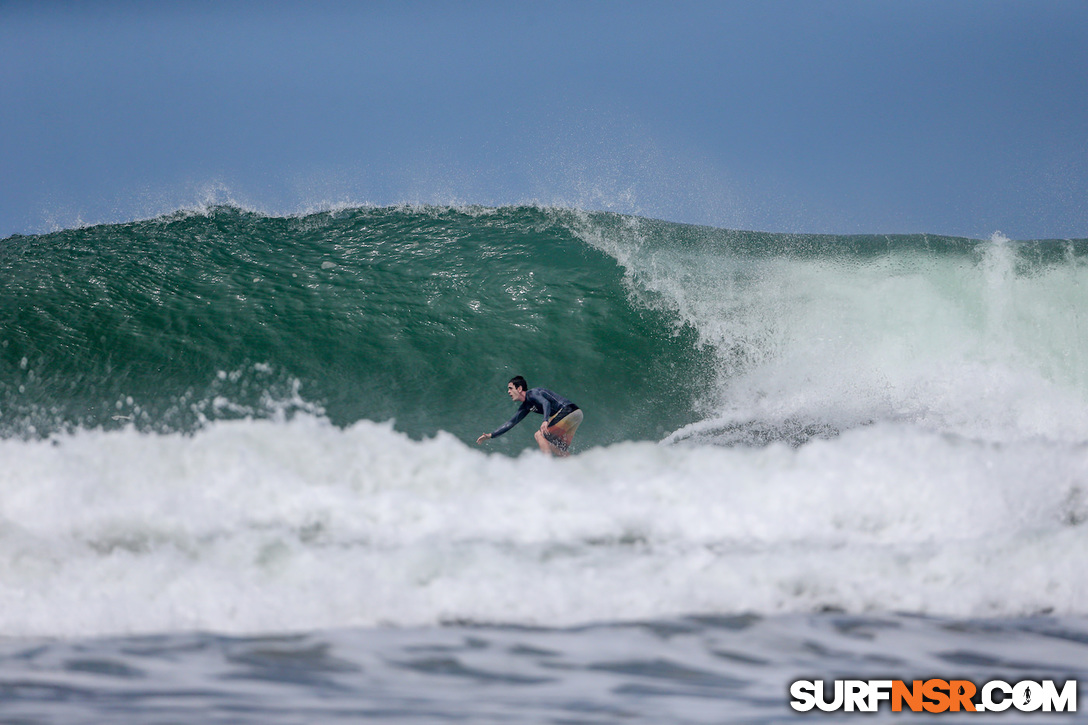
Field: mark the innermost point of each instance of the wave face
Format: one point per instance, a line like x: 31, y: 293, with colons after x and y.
x: 415, y: 315
x: 218, y: 420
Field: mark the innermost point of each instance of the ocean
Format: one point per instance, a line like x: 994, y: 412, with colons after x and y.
x: 240, y: 482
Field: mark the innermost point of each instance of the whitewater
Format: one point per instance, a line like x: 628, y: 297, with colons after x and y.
x: 262, y: 526
x: 221, y: 427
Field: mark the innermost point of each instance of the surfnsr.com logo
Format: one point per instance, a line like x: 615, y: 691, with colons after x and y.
x: 934, y: 695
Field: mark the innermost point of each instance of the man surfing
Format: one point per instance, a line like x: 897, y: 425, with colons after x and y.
x: 561, y: 417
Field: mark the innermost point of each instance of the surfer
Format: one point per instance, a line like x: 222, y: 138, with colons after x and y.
x: 561, y: 417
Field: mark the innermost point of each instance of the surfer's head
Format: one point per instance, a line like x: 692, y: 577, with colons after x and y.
x: 517, y: 387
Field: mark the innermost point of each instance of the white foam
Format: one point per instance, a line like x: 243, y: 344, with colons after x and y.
x: 957, y: 343
x: 267, y: 526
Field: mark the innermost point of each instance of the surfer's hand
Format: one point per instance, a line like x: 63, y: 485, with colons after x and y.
x: 544, y: 427
x: 482, y: 438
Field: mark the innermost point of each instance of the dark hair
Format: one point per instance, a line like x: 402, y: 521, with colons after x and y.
x: 519, y: 382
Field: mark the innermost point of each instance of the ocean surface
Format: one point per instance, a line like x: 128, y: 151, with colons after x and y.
x: 240, y: 482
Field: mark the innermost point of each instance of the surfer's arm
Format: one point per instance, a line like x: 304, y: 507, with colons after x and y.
x: 541, y: 398
x: 522, y: 412
x: 549, y: 411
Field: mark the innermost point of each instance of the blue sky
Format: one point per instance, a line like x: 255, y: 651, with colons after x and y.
x: 896, y: 117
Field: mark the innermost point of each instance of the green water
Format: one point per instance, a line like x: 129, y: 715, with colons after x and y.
x: 416, y: 315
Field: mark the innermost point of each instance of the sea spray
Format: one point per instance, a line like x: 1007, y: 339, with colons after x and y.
x: 820, y: 333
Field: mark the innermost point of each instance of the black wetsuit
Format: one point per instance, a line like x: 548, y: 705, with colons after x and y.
x: 539, y: 400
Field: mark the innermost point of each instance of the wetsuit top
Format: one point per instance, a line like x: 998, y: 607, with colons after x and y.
x: 537, y: 400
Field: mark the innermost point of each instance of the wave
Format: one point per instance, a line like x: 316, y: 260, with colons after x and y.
x: 420, y: 314
x: 220, y: 420
x: 417, y: 315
